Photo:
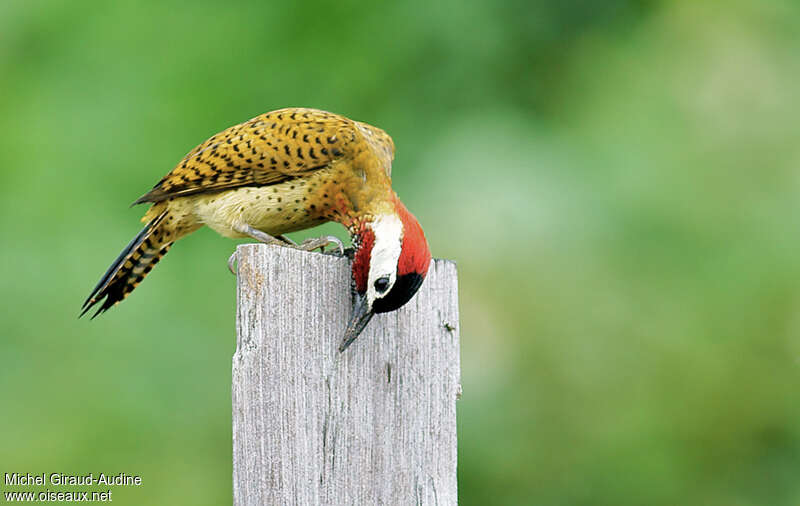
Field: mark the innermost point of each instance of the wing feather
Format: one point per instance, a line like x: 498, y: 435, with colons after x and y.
x: 268, y: 149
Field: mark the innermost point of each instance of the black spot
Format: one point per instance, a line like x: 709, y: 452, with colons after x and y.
x: 336, y: 152
x: 300, y: 153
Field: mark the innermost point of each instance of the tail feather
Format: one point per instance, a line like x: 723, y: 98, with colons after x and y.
x: 129, y: 268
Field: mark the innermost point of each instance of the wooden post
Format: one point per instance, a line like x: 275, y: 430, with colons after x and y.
x: 311, y: 426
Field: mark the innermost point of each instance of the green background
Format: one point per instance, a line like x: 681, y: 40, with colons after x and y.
x: 618, y: 182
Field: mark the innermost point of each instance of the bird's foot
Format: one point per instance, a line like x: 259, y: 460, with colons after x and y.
x: 258, y: 235
x: 280, y: 240
x: 286, y: 240
x: 321, y: 242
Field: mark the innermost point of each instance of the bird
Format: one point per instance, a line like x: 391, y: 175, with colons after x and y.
x: 280, y: 172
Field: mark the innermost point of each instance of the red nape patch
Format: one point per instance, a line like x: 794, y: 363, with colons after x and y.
x: 366, y: 239
x: 415, y: 256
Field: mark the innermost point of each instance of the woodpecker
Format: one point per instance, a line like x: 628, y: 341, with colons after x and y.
x: 280, y: 172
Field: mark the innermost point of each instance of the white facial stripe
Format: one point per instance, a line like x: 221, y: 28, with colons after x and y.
x: 388, y: 231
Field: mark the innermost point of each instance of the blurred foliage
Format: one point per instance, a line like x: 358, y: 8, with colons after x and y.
x: 617, y: 180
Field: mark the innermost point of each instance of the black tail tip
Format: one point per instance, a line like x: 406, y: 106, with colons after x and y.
x: 107, y: 303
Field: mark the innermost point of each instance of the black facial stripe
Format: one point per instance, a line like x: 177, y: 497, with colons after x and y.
x: 404, y: 288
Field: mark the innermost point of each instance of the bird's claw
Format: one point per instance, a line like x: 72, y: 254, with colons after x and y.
x: 231, y: 262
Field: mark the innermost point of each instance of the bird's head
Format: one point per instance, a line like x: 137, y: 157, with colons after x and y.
x: 390, y: 263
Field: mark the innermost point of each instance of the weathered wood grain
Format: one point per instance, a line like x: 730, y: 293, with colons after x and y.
x: 375, y: 425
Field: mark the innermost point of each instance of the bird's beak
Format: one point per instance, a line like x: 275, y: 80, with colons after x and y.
x: 361, y: 316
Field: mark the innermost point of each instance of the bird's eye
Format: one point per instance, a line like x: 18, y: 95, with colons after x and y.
x: 381, y: 284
